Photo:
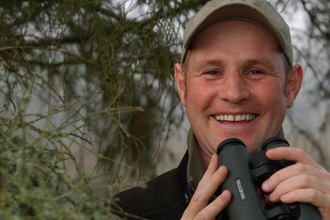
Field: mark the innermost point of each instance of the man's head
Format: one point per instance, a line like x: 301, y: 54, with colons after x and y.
x: 236, y: 84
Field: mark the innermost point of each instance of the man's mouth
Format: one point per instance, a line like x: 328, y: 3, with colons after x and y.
x: 242, y: 117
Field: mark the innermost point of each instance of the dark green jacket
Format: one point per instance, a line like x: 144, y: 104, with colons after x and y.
x: 161, y: 200
x: 167, y: 196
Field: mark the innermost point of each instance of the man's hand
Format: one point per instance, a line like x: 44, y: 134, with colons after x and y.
x: 198, y: 207
x: 305, y: 181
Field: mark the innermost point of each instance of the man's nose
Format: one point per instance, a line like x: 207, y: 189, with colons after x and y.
x: 234, y: 89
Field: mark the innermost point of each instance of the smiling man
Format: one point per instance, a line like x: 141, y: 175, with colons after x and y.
x: 236, y: 80
x: 236, y: 85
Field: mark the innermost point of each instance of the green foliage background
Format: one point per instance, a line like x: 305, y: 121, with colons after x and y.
x: 77, y: 77
x: 87, y: 98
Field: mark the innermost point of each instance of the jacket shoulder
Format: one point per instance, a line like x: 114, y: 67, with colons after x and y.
x: 161, y: 199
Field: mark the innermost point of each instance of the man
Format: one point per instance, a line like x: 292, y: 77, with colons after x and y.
x: 236, y: 80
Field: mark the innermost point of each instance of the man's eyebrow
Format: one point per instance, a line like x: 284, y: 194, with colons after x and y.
x: 246, y: 62
x: 264, y: 62
x: 257, y: 61
x: 209, y: 62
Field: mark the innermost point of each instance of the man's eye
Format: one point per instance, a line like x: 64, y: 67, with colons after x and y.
x: 213, y: 72
x: 255, y: 72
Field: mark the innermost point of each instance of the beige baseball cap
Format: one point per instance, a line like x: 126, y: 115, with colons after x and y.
x: 259, y: 12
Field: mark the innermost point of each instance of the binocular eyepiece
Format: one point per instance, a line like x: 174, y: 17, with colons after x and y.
x: 245, y: 176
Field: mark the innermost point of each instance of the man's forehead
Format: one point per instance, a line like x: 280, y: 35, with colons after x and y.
x: 233, y: 27
x: 229, y: 33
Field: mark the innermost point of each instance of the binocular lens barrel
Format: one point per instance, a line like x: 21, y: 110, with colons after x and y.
x: 244, y: 202
x: 245, y: 176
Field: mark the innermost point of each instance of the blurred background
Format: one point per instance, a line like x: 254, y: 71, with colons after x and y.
x: 88, y: 104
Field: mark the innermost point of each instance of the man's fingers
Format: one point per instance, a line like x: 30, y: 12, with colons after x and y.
x: 312, y: 196
x: 206, y: 188
x: 213, y: 166
x: 305, y: 181
x: 305, y: 173
x: 210, y: 182
x: 296, y: 155
x: 298, y: 174
x: 302, y: 181
x: 215, y: 207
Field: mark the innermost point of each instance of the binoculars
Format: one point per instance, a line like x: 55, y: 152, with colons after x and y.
x: 245, y: 176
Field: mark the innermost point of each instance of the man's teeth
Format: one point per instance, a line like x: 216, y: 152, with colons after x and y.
x: 243, y: 117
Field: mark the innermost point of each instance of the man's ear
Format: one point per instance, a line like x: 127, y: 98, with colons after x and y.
x: 294, y: 81
x: 180, y: 80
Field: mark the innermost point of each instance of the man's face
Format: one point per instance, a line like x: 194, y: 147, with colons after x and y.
x: 235, y: 86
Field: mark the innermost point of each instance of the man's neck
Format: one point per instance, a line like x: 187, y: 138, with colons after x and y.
x: 205, y: 159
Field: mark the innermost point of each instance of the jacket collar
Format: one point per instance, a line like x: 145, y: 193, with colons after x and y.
x: 195, y: 168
